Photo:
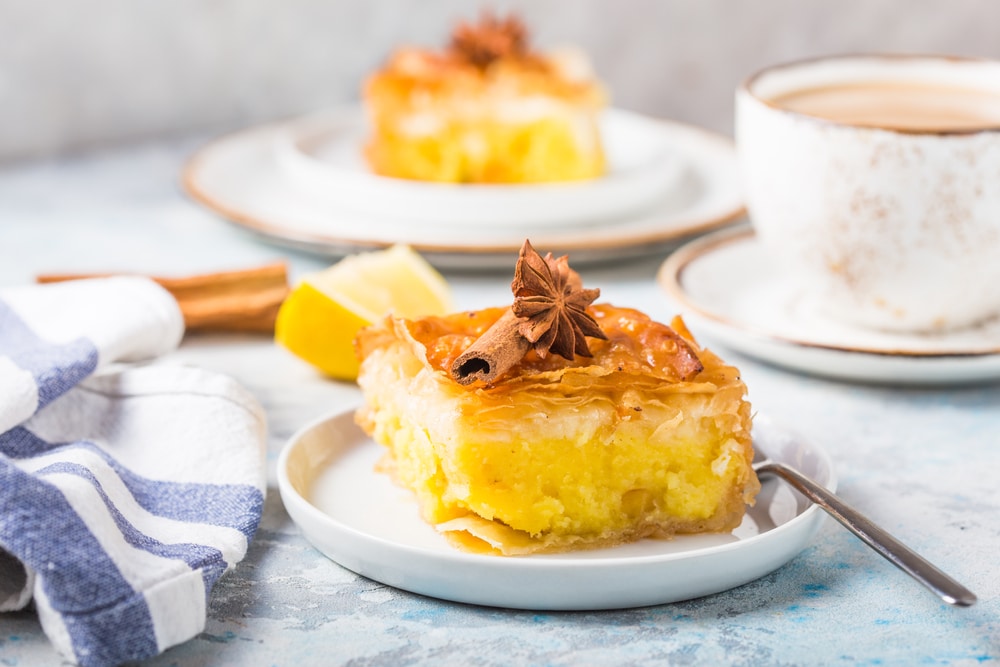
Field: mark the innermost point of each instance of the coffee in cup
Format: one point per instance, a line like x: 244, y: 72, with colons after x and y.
x: 875, y: 181
x: 912, y: 107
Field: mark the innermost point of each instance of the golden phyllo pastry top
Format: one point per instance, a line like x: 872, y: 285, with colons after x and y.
x: 483, y: 63
x: 549, y: 332
x: 635, y: 345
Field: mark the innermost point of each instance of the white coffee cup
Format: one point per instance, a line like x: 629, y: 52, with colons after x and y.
x: 887, y: 211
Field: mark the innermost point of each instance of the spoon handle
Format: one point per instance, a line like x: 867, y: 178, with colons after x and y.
x: 878, y: 539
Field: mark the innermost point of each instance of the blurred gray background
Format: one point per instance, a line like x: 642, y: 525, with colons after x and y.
x: 75, y: 74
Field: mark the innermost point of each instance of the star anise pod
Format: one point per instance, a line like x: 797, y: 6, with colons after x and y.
x: 551, y: 302
x: 491, y: 39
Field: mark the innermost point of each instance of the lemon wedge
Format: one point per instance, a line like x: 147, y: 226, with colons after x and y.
x: 324, y: 312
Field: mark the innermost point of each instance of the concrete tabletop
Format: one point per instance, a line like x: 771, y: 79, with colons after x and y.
x: 922, y: 462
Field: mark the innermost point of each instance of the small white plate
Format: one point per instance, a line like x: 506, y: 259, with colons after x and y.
x: 728, y: 288
x: 239, y: 177
x: 362, y: 520
x: 323, y: 155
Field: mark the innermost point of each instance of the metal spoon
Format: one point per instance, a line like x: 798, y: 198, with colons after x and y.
x: 877, y: 538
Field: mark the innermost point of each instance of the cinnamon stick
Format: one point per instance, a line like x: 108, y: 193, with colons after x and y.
x: 242, y: 300
x: 549, y: 314
x: 493, y: 354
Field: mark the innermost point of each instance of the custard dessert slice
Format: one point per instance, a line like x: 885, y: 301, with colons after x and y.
x: 486, y: 109
x: 644, y: 435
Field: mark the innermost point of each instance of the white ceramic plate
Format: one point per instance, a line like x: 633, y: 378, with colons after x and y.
x: 363, y: 521
x: 240, y: 178
x: 322, y: 154
x: 731, y: 292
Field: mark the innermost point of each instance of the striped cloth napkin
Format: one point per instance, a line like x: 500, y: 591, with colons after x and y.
x: 126, y: 490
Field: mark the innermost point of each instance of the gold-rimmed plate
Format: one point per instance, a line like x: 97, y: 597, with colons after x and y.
x: 732, y: 293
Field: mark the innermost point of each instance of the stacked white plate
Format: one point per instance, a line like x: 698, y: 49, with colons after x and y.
x: 304, y: 183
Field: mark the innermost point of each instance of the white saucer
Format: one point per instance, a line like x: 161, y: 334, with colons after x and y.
x: 363, y: 521
x: 728, y: 289
x: 239, y: 177
x: 323, y: 155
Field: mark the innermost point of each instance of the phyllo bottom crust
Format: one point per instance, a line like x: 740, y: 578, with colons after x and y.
x: 557, y: 454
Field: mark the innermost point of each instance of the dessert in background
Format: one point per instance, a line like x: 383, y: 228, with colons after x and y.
x: 554, y: 424
x: 323, y: 313
x: 486, y: 109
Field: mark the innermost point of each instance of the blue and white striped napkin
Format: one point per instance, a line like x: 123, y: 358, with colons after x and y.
x: 125, y: 490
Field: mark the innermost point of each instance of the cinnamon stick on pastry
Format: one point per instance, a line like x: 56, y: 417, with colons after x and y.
x: 549, y: 314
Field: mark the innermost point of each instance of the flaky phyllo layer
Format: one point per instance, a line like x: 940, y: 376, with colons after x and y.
x: 559, y: 454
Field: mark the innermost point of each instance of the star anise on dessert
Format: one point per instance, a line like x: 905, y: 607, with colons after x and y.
x: 491, y: 39
x: 551, y: 303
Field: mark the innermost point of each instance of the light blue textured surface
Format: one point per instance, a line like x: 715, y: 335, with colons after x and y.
x: 922, y: 462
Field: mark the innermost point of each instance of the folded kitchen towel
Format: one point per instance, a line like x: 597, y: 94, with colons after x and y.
x: 126, y: 490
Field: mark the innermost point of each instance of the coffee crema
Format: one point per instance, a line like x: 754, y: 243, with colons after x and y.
x: 898, y: 106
